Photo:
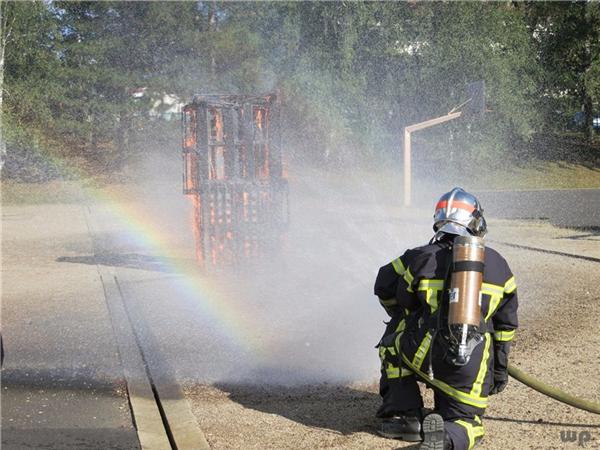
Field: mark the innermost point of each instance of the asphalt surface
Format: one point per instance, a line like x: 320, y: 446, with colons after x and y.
x: 573, y: 208
x: 62, y: 381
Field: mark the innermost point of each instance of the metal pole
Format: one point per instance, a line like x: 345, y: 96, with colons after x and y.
x: 407, y: 150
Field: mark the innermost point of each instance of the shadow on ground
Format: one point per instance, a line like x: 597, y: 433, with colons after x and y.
x: 129, y: 260
x: 592, y: 235
x: 340, y: 409
x: 64, y: 408
x: 61, y: 379
x: 68, y: 438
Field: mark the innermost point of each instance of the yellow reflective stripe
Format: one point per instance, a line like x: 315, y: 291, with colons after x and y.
x: 473, y: 432
x: 398, y: 266
x: 492, y: 289
x: 469, y: 429
x: 431, y: 299
x: 463, y: 397
x: 388, y: 302
x: 405, y: 372
x: 493, y: 306
x: 422, y: 351
x: 397, y: 372
x: 510, y: 285
x: 479, y: 431
x: 496, y: 293
x: 397, y: 342
x: 408, y: 277
x: 504, y: 336
x: 483, y: 368
x: 382, y: 351
x: 478, y: 419
x: 392, y: 372
x: 432, y: 287
x: 401, y: 326
x: 431, y: 284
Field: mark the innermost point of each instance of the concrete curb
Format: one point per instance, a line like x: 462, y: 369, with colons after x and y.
x: 162, y: 416
x: 146, y: 414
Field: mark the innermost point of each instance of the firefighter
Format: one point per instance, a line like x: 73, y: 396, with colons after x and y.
x: 419, y: 345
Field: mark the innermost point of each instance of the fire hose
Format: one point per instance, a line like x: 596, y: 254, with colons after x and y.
x: 552, y: 391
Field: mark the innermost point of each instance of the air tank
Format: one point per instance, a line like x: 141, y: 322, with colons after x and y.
x: 464, y: 314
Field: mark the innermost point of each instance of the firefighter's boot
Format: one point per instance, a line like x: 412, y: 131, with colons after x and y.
x: 406, y: 427
x: 434, y: 435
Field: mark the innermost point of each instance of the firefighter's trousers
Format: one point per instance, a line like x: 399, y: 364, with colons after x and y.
x: 460, y: 393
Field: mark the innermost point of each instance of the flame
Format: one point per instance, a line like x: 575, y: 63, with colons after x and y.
x: 261, y: 149
x: 217, y: 152
x: 197, y: 226
x: 189, y: 138
x: 216, y: 124
x: 191, y: 169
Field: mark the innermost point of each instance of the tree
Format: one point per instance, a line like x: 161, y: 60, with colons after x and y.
x: 28, y: 89
x: 351, y: 74
x: 567, y: 36
x: 5, y: 32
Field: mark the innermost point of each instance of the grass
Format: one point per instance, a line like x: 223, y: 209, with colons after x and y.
x: 56, y: 191
x: 538, y: 175
x: 542, y: 175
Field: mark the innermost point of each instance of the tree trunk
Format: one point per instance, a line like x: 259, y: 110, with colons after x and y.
x: 122, y: 138
x: 212, y: 27
x: 4, y: 34
x: 588, y: 113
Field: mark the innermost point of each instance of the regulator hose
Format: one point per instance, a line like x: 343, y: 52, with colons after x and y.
x: 552, y: 392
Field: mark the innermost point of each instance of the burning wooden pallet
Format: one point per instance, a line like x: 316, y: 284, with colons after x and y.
x: 233, y: 172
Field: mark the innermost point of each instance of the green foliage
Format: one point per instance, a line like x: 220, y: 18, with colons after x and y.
x: 30, y: 62
x: 567, y: 39
x: 351, y: 75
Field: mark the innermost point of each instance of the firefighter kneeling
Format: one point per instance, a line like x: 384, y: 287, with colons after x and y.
x: 453, y: 308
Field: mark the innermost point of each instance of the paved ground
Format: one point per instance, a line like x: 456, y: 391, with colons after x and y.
x: 579, y: 208
x: 283, y: 356
x: 62, y: 384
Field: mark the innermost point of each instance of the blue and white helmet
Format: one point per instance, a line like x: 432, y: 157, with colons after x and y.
x: 458, y: 212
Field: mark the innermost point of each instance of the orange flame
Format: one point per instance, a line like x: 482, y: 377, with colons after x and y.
x: 197, y: 226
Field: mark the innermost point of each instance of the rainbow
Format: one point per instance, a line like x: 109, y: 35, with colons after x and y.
x: 144, y: 230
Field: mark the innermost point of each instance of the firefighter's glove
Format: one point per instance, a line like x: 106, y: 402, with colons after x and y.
x: 498, y: 386
x: 501, y: 351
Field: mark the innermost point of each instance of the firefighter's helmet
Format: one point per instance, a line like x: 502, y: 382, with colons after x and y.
x: 458, y: 212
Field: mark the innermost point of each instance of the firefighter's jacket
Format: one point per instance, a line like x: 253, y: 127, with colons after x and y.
x: 412, y: 288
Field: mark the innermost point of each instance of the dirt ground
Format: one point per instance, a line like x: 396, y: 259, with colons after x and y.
x: 557, y: 342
